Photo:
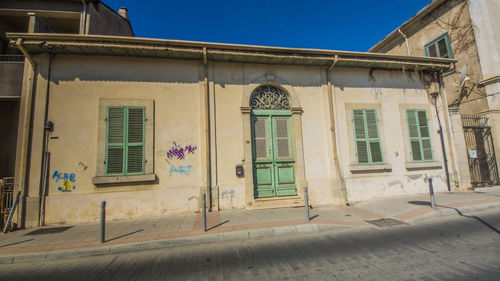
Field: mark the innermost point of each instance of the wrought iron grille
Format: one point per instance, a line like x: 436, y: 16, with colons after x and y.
x: 269, y: 97
x: 469, y: 120
x: 6, y: 198
x: 480, y: 150
x: 260, y: 139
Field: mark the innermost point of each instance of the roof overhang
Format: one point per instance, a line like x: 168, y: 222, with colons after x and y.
x: 37, y: 43
x: 395, y: 33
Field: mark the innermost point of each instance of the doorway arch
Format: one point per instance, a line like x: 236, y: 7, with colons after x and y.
x: 273, y: 145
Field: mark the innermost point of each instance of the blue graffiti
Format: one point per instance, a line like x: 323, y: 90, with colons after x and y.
x: 68, y: 181
x: 181, y: 170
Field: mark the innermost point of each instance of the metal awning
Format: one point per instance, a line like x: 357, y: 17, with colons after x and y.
x: 157, y: 48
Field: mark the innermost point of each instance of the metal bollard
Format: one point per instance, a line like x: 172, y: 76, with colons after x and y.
x: 204, y: 212
x: 431, y: 191
x: 103, y: 221
x: 306, y: 198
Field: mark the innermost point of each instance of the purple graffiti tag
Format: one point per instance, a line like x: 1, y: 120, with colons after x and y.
x: 190, y: 148
x: 177, y: 151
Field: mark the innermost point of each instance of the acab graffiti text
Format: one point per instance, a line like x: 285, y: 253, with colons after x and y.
x: 181, y: 170
x: 68, y: 181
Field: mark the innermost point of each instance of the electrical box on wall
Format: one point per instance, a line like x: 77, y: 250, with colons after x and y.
x: 240, y: 172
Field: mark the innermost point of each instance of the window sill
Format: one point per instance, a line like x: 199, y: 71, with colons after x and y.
x: 359, y: 169
x: 124, y: 179
x: 423, y: 165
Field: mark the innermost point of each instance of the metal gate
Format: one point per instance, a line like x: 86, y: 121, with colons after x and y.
x: 6, y: 198
x: 480, y: 150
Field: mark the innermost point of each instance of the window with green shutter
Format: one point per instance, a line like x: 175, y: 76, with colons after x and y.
x: 439, y: 47
x: 125, y: 132
x: 367, y: 137
x: 420, y: 140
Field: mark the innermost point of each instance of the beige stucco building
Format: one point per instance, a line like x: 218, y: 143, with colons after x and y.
x: 57, y: 16
x: 465, y: 30
x: 150, y: 125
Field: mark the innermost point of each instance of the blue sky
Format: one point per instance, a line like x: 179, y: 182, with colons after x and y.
x: 354, y: 25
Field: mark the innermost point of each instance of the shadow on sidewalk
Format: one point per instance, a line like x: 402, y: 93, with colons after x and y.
x: 124, y: 235
x: 473, y: 217
x: 420, y: 203
x: 424, y: 203
x: 15, y: 243
x: 217, y: 225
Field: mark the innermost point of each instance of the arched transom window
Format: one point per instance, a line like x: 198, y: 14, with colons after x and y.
x: 269, y: 97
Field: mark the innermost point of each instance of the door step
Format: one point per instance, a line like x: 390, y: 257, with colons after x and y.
x: 276, y: 202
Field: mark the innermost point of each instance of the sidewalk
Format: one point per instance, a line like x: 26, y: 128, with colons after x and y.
x: 69, y: 241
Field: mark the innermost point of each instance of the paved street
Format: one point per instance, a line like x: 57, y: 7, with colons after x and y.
x: 465, y: 247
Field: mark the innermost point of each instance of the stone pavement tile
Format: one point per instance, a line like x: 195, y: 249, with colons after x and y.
x: 71, y: 245
x: 413, y: 213
x: 132, y: 239
x: 187, y: 222
x: 394, y: 205
x: 234, y: 216
x: 471, y: 203
x: 361, y: 213
x: 330, y: 213
x: 155, y: 226
x: 166, y: 222
x: 27, y: 249
x: 13, y: 235
x: 132, y: 231
x: 175, y: 223
x: 340, y: 223
x: 18, y: 242
x: 213, y: 220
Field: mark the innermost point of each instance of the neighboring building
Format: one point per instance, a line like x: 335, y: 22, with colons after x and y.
x: 150, y: 125
x: 468, y: 32
x: 35, y: 16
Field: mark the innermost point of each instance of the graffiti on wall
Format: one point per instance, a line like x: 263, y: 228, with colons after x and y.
x: 179, y: 152
x: 181, y: 170
x: 65, y: 180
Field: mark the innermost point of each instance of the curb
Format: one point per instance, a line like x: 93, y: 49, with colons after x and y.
x: 166, y: 243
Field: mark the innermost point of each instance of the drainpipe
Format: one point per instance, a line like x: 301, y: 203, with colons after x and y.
x: 441, y: 133
x: 22, y: 164
x: 207, y: 129
x: 83, y: 21
x: 332, y: 130
x: 406, y: 41
x: 48, y: 127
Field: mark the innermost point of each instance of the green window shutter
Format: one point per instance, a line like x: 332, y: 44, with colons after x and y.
x: 432, y: 50
x: 368, y: 145
x: 443, y: 48
x: 125, y: 142
x: 439, y: 47
x: 360, y: 136
x: 135, y: 140
x: 420, y: 141
x: 115, y: 140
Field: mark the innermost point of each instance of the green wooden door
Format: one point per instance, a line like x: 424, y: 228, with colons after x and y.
x: 273, y: 161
